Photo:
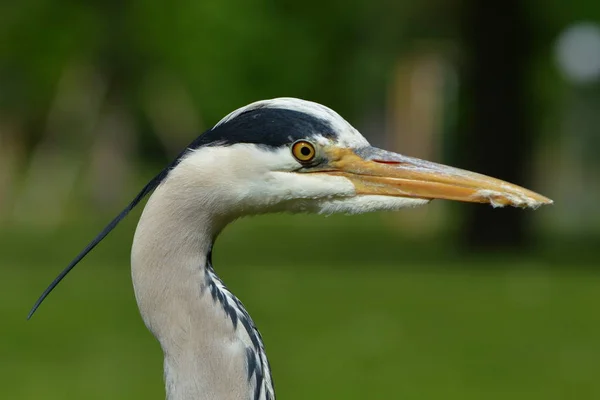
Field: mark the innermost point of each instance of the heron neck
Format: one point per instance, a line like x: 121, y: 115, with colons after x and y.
x: 209, y: 342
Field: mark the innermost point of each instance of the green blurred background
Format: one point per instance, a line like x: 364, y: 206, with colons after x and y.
x: 448, y: 301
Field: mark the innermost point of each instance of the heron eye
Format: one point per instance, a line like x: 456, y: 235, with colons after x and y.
x: 303, y: 151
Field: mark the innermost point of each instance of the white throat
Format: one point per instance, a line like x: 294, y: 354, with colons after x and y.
x: 211, y: 347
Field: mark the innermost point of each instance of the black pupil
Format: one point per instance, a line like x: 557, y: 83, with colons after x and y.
x: 305, y: 151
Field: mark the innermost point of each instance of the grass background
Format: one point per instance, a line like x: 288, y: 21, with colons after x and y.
x: 348, y: 308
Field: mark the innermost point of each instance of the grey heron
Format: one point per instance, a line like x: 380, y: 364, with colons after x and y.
x: 279, y: 155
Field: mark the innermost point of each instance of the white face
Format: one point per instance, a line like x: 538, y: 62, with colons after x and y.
x: 249, y: 179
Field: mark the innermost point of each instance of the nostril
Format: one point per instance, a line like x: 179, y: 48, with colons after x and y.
x: 389, y: 162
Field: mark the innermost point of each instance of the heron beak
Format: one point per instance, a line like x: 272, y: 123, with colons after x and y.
x: 378, y: 172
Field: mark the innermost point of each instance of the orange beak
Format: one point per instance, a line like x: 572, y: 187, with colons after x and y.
x: 378, y: 172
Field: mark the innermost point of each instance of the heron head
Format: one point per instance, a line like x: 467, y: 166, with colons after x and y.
x: 293, y: 155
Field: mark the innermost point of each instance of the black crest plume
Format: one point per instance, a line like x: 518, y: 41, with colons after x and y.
x: 150, y: 186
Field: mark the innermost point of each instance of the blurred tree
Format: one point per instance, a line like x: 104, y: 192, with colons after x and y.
x: 496, y: 132
x: 225, y: 53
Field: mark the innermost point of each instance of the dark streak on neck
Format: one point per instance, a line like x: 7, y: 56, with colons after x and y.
x: 234, y: 309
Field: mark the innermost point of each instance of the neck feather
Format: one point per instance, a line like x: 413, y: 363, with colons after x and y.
x: 211, y: 347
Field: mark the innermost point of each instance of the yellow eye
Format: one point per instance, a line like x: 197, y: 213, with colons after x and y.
x: 303, y: 151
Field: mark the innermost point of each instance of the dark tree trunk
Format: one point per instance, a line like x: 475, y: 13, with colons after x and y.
x: 495, y: 135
